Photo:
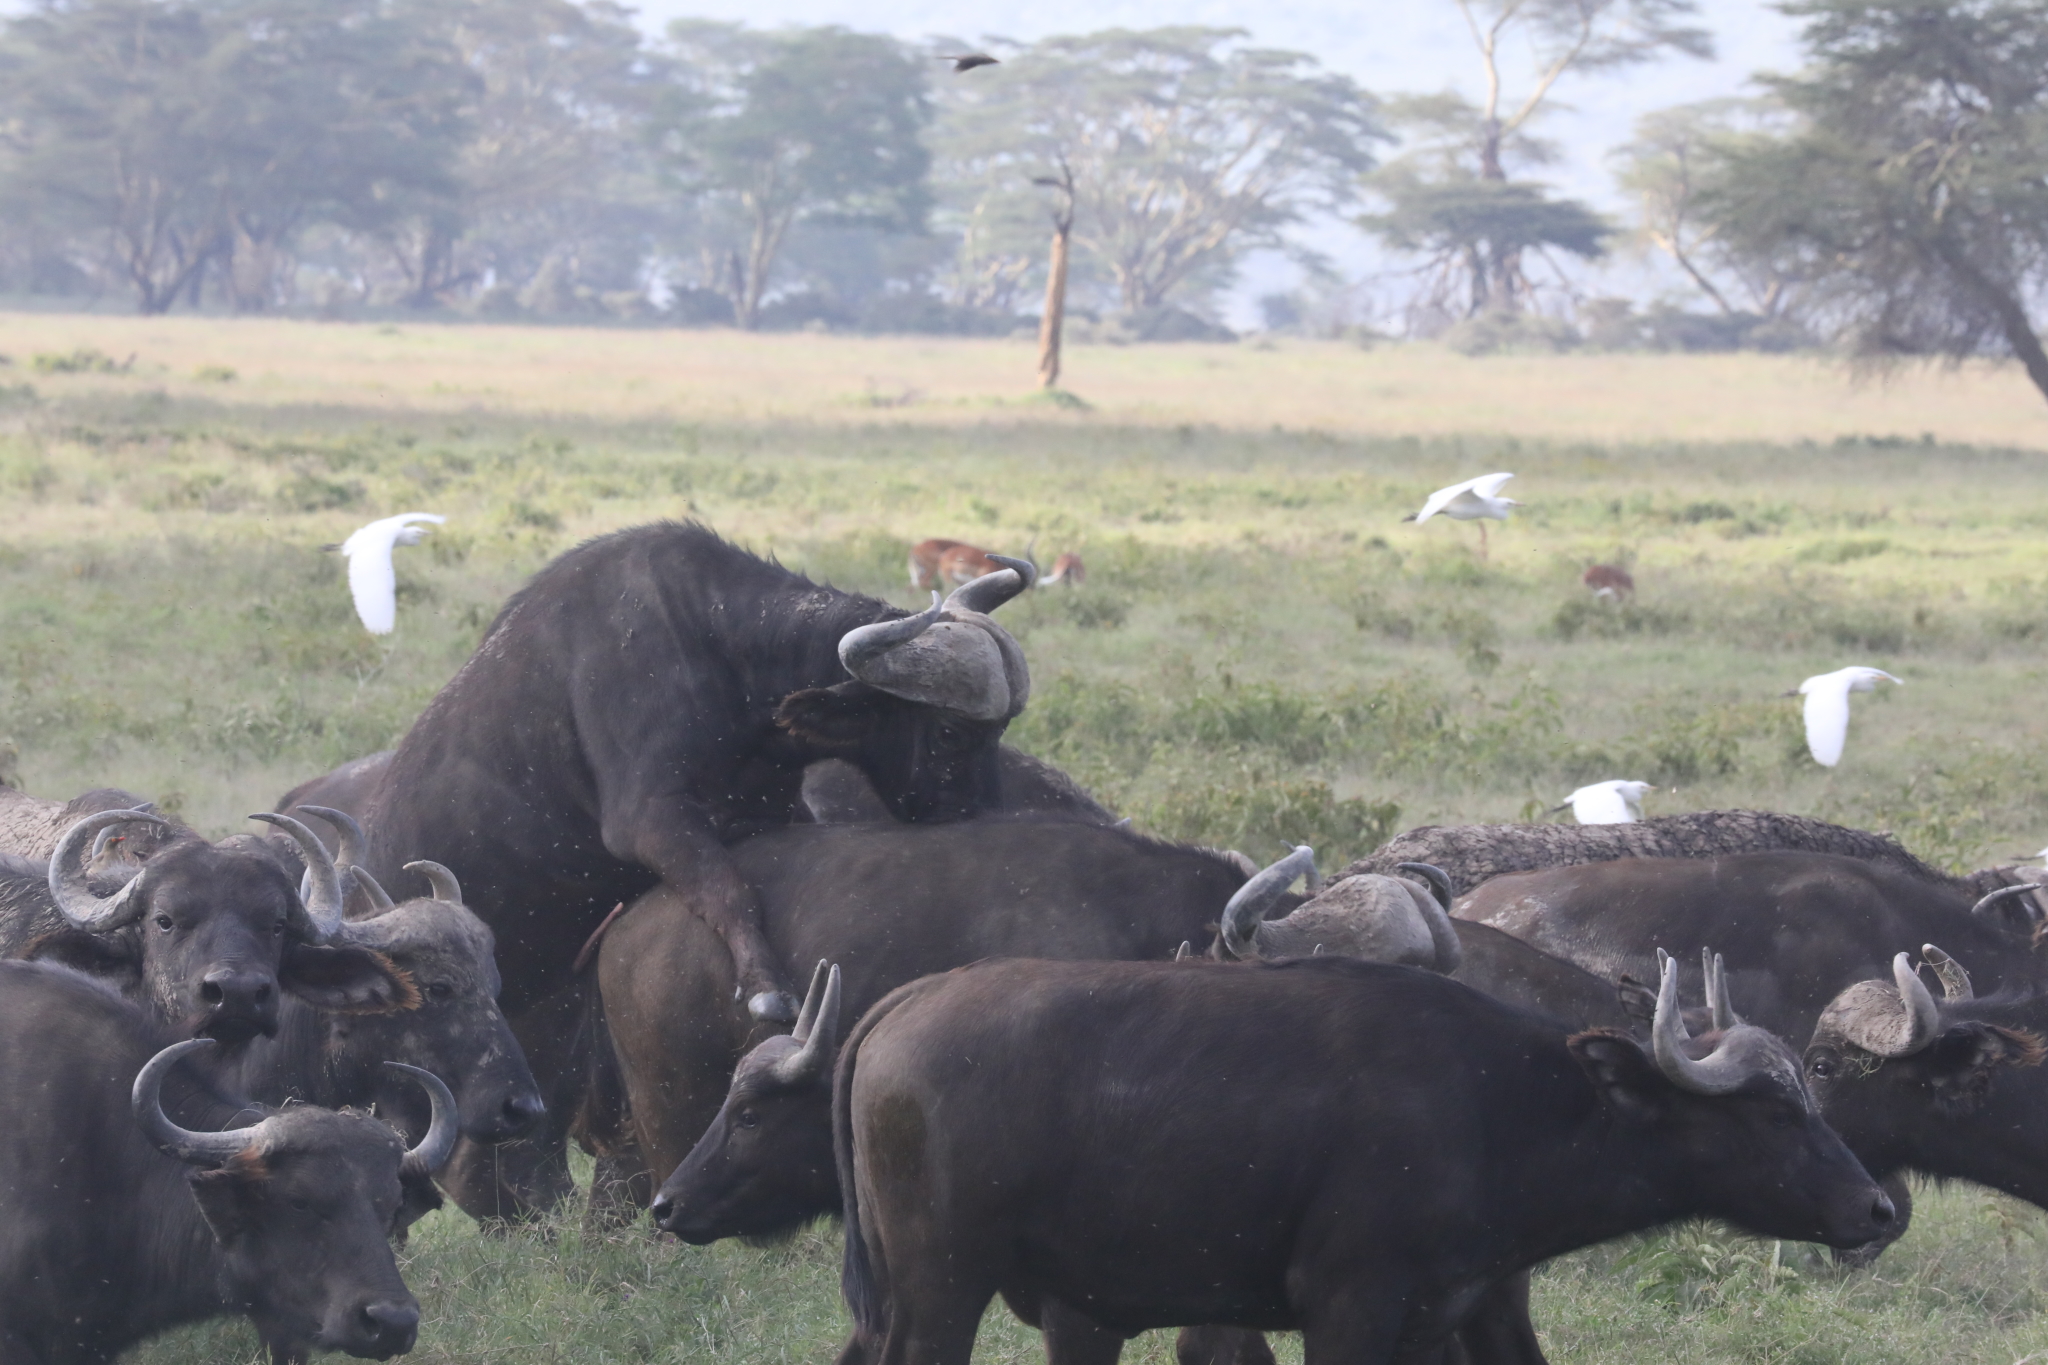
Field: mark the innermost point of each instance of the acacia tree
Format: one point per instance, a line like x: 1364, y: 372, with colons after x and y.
x: 1913, y: 190
x: 1677, y: 155
x: 772, y: 129
x: 1456, y: 196
x: 1186, y: 147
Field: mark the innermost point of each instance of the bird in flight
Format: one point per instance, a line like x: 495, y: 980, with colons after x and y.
x: 1471, y: 500
x: 1608, y: 803
x: 967, y: 61
x: 1827, y: 707
x: 371, y: 580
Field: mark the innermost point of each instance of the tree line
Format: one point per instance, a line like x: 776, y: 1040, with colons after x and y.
x: 547, y: 158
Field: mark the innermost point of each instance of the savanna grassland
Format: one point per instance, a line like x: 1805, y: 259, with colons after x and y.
x: 1262, y: 652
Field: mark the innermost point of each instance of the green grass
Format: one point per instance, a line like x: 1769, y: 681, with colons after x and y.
x: 1965, y: 1285
x: 1262, y: 653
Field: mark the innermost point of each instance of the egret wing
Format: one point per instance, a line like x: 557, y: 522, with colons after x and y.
x: 371, y: 580
x: 1827, y: 721
x: 1488, y: 486
x: 1442, y: 498
x: 1600, y: 805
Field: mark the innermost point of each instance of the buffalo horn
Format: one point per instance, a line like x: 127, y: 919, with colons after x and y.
x: 380, y: 899
x: 320, y: 913
x: 1435, y: 912
x: 991, y: 590
x: 1438, y: 879
x: 2007, y: 893
x: 146, y: 1098
x: 69, y: 887
x: 817, y: 1029
x: 431, y: 1153
x: 1715, y: 973
x: 1955, y: 982
x: 1249, y: 906
x: 1888, y: 1023
x: 446, y: 888
x: 352, y: 854
x: 864, y: 644
x: 1716, y: 1074
x: 1184, y: 952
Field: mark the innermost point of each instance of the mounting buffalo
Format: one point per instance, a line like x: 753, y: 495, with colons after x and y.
x: 1375, y: 1148
x: 211, y: 936
x: 656, y: 694
x: 135, y: 1197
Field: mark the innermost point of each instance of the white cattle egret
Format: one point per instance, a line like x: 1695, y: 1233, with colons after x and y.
x: 1827, y: 708
x: 1473, y: 500
x: 371, y: 580
x: 1608, y: 803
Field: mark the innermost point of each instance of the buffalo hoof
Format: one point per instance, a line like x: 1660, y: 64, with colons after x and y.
x: 773, y: 1007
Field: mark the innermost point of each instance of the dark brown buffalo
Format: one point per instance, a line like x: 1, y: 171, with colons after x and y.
x: 747, y: 1134
x: 116, y: 1225
x: 655, y: 694
x: 1948, y: 1087
x: 1472, y: 854
x: 1793, y: 928
x: 211, y: 937
x: 1373, y: 1148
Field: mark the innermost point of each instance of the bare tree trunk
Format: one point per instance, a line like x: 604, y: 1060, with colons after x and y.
x: 1054, y: 322
x: 1055, y: 319
x: 2012, y: 317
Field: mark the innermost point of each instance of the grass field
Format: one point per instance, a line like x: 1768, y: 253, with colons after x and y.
x: 1263, y: 651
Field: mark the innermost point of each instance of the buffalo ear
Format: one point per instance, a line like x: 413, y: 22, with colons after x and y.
x: 346, y: 980
x: 418, y: 1196
x: 1966, y: 1058
x: 831, y: 717
x: 224, y: 1195
x: 110, y: 957
x: 1623, y: 1076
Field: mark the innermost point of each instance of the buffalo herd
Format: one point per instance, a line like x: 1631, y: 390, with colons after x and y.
x: 1121, y: 1082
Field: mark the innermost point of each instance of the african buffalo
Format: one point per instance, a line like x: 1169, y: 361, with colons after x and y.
x: 1794, y: 928
x: 655, y: 694
x: 1472, y: 854
x: 764, y: 1164
x: 1949, y: 1087
x: 448, y: 1022
x: 1374, y: 1149
x: 212, y: 936
x: 125, y: 1210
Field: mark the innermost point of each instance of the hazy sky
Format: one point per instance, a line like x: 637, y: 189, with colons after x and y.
x: 1387, y: 45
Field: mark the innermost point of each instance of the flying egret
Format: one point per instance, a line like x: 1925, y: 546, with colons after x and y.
x: 1608, y: 803
x: 371, y: 579
x: 1473, y: 500
x: 1827, y: 707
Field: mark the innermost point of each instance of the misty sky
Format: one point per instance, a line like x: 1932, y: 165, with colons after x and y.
x: 1387, y: 45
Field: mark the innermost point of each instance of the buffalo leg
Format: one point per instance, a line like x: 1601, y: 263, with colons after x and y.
x: 1221, y: 1346
x: 1074, y: 1338
x: 692, y: 862
x: 1498, y: 1330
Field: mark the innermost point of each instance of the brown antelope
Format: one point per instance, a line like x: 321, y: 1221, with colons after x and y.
x: 1068, y: 568
x: 924, y: 560
x: 1608, y: 583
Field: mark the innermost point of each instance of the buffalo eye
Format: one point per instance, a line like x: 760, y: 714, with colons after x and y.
x: 440, y: 990
x: 165, y: 923
x: 1821, y: 1066
x: 300, y: 1203
x: 747, y: 1118
x: 277, y: 929
x: 951, y: 740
